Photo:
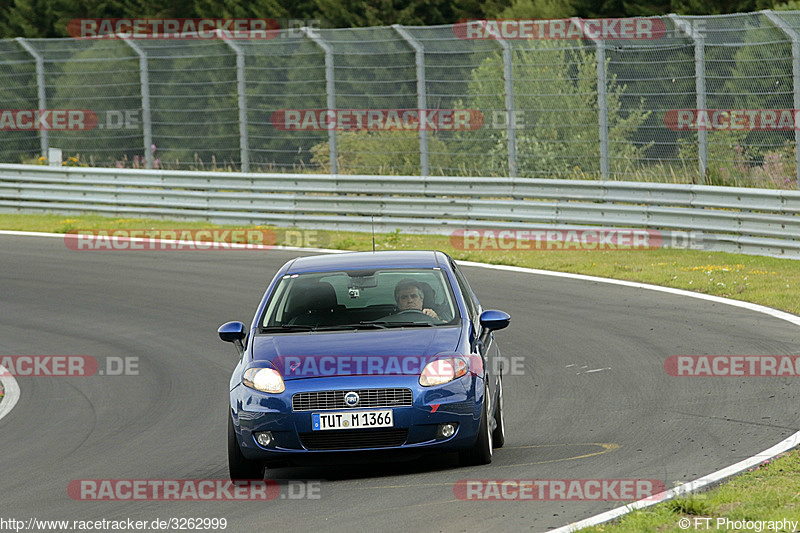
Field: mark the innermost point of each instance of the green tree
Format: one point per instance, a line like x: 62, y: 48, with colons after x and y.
x: 556, y: 100
x: 101, y: 76
x: 365, y: 152
x: 17, y: 91
x: 540, y: 9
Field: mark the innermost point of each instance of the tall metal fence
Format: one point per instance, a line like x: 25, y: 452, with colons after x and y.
x: 587, y: 107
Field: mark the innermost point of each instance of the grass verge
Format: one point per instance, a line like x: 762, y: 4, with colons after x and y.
x: 768, y: 492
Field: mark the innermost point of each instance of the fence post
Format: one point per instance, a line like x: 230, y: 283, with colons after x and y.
x: 795, y: 37
x: 144, y: 81
x: 40, y: 87
x: 422, y: 100
x: 700, y: 85
x: 511, y: 120
x: 241, y: 89
x: 602, y: 100
x: 330, y: 89
x: 508, y: 89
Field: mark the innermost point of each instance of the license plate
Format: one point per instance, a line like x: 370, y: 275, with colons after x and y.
x: 352, y: 420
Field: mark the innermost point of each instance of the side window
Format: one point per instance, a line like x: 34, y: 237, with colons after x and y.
x: 466, y: 292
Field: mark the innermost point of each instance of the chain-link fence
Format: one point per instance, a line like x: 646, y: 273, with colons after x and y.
x: 691, y: 99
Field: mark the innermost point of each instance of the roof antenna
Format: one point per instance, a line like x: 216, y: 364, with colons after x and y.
x: 373, y: 233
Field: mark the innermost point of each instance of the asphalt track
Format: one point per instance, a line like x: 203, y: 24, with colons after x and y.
x: 628, y: 420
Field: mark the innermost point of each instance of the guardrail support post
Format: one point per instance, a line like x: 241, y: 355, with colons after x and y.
x: 795, y: 37
x: 330, y: 89
x: 422, y: 100
x: 602, y: 103
x: 700, y: 85
x: 144, y: 81
x: 40, y: 87
x: 241, y: 90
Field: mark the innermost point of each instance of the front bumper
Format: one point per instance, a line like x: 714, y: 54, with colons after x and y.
x: 414, y: 427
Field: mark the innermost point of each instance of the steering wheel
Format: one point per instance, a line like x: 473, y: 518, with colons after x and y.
x: 416, y: 313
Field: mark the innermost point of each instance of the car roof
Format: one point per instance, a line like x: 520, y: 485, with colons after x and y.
x: 367, y: 260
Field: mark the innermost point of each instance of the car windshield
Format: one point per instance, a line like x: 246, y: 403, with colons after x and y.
x: 364, y: 299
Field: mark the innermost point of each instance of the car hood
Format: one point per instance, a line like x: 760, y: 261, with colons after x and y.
x: 403, y: 351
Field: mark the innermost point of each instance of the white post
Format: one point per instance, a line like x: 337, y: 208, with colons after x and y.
x: 330, y: 89
x: 602, y: 101
x: 422, y: 104
x: 144, y: 80
x: 41, y: 89
x: 700, y: 85
x: 241, y: 89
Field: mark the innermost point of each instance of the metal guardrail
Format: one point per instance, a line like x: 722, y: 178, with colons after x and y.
x: 753, y: 221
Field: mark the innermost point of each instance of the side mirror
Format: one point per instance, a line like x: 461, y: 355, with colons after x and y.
x: 234, y: 332
x: 493, y: 320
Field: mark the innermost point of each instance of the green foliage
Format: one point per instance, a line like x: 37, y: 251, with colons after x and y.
x: 48, y: 18
x: 383, y: 152
x: 17, y: 91
x: 693, y: 504
x: 358, y: 13
x: 118, y: 90
x: 539, y: 9
x: 556, y: 100
x: 757, y: 76
x: 717, y: 7
x: 791, y: 5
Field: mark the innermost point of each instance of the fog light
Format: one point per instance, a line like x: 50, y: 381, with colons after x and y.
x: 446, y: 430
x: 265, y: 439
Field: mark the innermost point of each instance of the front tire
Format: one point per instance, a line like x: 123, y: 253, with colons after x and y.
x: 481, y: 451
x: 240, y: 467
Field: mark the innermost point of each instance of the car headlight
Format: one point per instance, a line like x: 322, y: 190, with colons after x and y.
x: 442, y: 371
x: 264, y: 379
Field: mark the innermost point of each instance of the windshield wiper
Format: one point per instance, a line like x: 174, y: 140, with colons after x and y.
x: 306, y: 327
x: 360, y: 325
x: 287, y: 327
x: 395, y: 324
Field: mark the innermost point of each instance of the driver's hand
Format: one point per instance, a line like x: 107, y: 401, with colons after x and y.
x: 430, y: 312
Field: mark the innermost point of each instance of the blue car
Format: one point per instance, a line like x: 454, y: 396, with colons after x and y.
x: 365, y: 352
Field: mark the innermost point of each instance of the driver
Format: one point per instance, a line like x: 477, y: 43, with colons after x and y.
x: 408, y: 295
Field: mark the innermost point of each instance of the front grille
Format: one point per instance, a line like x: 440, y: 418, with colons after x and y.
x: 354, y: 439
x: 334, y: 399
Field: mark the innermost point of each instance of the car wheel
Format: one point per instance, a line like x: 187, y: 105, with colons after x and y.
x: 499, y: 433
x: 481, y: 451
x: 240, y: 467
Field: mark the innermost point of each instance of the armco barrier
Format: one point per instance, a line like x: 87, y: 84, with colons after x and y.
x: 753, y: 221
